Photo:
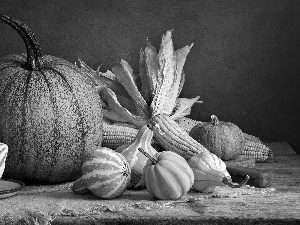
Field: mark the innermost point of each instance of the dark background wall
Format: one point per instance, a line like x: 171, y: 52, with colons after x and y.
x: 245, y: 63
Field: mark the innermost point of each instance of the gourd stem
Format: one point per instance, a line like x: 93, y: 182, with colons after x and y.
x: 148, y: 155
x: 226, y: 181
x: 214, y: 120
x: 32, y: 45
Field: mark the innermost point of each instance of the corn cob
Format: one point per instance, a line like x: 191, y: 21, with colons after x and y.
x: 114, y: 136
x: 187, y: 124
x: 252, y: 138
x: 125, y: 124
x: 172, y: 138
x: 118, y: 134
x: 257, y: 150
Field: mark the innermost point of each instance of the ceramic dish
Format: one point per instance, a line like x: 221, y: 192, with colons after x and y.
x: 9, y: 188
x: 3, y: 154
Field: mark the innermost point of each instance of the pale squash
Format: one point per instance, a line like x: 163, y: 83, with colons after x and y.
x: 209, y: 170
x: 167, y: 175
x: 135, y: 158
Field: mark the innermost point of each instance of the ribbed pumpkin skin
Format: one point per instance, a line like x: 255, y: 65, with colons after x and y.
x: 50, y: 118
x: 224, y: 139
x: 135, y: 158
x: 208, y: 169
x: 170, y: 178
x: 106, y: 173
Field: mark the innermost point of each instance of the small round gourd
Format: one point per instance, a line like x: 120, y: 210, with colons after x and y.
x: 106, y: 173
x: 135, y: 158
x: 209, y: 170
x: 224, y: 139
x: 167, y: 175
x: 51, y: 114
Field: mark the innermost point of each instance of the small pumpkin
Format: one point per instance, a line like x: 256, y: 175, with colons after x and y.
x: 51, y: 115
x: 135, y: 158
x: 224, y: 139
x: 106, y: 173
x: 209, y: 170
x: 167, y: 175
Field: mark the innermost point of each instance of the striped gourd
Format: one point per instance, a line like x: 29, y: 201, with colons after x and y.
x: 257, y: 150
x: 106, y: 173
x: 167, y: 175
x: 135, y: 158
x: 209, y: 171
x: 79, y: 187
x: 3, y: 154
x: 51, y: 114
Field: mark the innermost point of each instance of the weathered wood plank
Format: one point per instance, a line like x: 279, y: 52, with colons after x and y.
x: 279, y: 204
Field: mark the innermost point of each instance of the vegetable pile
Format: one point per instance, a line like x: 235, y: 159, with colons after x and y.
x: 64, y: 122
x: 154, y: 107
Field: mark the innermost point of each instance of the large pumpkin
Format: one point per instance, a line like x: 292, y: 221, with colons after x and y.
x: 51, y: 116
x: 224, y: 139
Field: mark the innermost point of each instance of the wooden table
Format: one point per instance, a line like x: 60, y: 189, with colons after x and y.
x: 57, y: 204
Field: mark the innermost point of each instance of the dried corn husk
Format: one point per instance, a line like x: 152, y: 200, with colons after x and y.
x: 118, y: 112
x: 145, y: 87
x: 158, y: 103
x: 183, y: 107
x: 170, y: 80
x: 125, y: 76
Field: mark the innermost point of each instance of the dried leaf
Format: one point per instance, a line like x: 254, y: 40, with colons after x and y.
x: 145, y: 88
x: 110, y: 97
x: 183, y: 107
x: 107, y: 79
x: 113, y: 117
x: 161, y: 101
x: 125, y: 77
x: 166, y: 59
x: 89, y: 71
x: 128, y: 104
x: 181, y: 83
x: 151, y: 66
x: 180, y: 57
x: 37, y: 217
x: 225, y: 191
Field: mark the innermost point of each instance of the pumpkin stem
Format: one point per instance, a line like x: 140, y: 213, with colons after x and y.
x: 226, y: 181
x: 148, y: 155
x: 214, y: 120
x: 32, y: 45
